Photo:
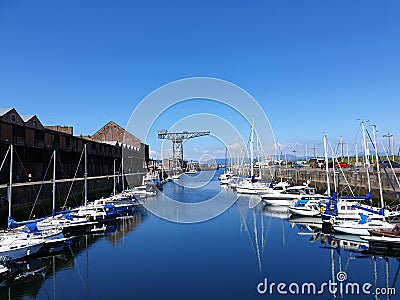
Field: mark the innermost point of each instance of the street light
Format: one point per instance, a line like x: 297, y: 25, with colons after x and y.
x: 389, y: 136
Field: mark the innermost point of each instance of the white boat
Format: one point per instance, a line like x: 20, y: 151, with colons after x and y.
x: 17, y: 247
x: 284, y: 196
x: 191, y: 169
x: 247, y: 186
x: 225, y: 177
x: 61, y: 220
x: 142, y: 191
x: 176, y: 176
x: 251, y: 185
x: 306, y: 206
x: 97, y: 211
x: 350, y: 209
x: 361, y: 227
x: 25, y: 238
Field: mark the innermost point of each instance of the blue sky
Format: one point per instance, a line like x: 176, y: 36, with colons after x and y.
x: 313, y: 66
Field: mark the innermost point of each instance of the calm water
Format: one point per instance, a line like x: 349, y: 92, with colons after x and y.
x: 145, y: 257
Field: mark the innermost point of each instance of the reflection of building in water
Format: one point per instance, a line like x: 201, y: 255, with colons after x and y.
x: 125, y: 226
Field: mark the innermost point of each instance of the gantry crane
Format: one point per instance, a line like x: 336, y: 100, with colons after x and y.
x: 177, y: 139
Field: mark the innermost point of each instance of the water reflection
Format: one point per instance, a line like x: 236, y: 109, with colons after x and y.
x: 241, y: 247
x: 32, y: 273
x: 343, y: 253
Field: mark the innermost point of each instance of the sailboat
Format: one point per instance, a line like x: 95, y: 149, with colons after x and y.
x: 190, y: 169
x: 349, y: 208
x: 97, y: 211
x: 252, y: 185
x: 12, y: 244
x: 363, y: 226
x: 63, y: 219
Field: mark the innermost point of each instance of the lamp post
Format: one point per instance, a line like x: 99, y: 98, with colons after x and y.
x: 390, y: 136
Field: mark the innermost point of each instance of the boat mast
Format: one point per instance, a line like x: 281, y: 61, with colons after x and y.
x: 251, y: 149
x: 366, y: 157
x: 114, y: 179
x: 377, y: 165
x: 122, y: 173
x: 54, y: 182
x: 85, y: 175
x: 11, y: 176
x: 326, y: 168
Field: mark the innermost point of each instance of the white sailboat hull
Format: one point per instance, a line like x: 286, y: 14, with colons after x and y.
x: 278, y: 202
x: 360, y: 229
x: 20, y: 248
x: 304, y: 211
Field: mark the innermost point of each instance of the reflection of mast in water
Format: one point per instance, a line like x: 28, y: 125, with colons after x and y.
x: 256, y: 238
x: 333, y: 269
x: 243, y: 211
x: 375, y: 276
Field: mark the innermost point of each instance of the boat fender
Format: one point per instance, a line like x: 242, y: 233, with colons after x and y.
x: 28, y: 252
x: 334, y: 244
x: 332, y: 220
x: 88, y: 218
x: 322, y: 209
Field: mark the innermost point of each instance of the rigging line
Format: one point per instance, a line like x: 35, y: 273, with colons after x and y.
x: 341, y: 170
x: 76, y: 172
x: 23, y: 167
x: 394, y: 173
x: 358, y: 131
x: 5, y: 157
x: 65, y: 176
x: 41, y: 186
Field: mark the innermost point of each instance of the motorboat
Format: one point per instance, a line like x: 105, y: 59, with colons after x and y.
x: 99, y: 211
x: 284, y: 195
x: 308, y: 206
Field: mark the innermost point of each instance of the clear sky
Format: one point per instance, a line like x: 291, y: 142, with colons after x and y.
x: 314, y: 66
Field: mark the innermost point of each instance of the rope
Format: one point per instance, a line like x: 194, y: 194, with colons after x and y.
x: 76, y: 172
x: 5, y: 157
x: 38, y: 194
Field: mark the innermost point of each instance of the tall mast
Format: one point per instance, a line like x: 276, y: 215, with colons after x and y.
x: 377, y: 166
x: 85, y: 175
x: 251, y: 149
x: 11, y: 177
x: 366, y: 156
x: 122, y: 172
x: 54, y: 182
x: 114, y: 179
x: 326, y: 167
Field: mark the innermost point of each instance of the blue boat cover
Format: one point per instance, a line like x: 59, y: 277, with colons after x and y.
x: 12, y: 223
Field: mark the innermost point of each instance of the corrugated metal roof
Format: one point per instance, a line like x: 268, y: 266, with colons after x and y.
x: 27, y: 118
x: 3, y: 111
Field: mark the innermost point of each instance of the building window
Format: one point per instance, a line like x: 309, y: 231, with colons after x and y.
x: 13, y: 118
x: 34, y: 124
